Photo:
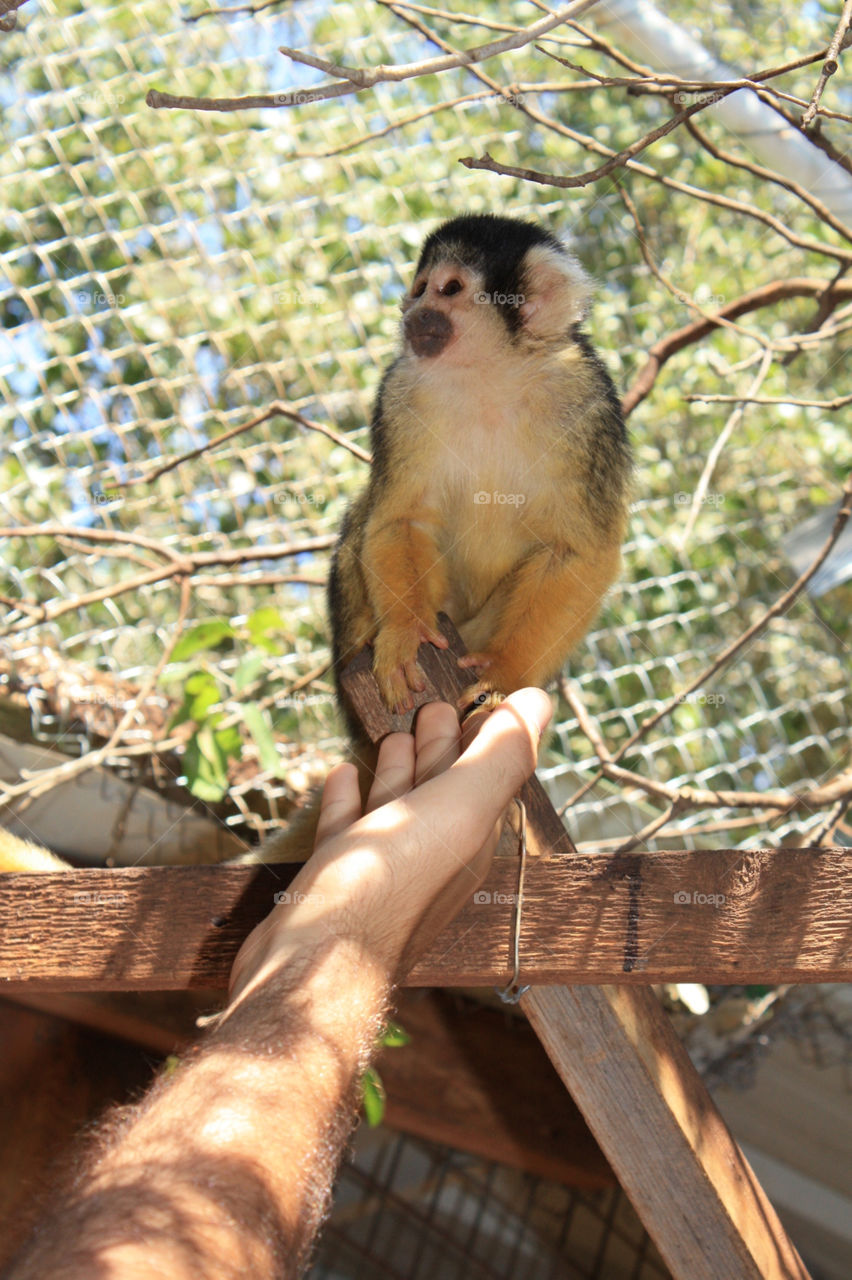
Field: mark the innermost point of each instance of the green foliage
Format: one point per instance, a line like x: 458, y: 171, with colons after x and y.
x: 214, y: 743
x: 372, y: 1097
x: 372, y: 1090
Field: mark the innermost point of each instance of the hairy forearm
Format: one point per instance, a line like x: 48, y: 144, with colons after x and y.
x: 225, y: 1169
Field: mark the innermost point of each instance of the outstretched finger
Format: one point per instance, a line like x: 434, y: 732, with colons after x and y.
x: 341, y: 802
x: 394, y: 770
x: 473, y: 795
x: 437, y: 740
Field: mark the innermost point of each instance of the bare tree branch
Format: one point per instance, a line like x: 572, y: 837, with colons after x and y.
x: 839, y: 402
x: 276, y: 410
x: 179, y: 566
x: 781, y: 605
x: 663, y: 350
x: 715, y: 453
x: 829, y: 67
x: 356, y: 79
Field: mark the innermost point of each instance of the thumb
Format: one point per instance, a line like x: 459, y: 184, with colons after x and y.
x: 510, y: 735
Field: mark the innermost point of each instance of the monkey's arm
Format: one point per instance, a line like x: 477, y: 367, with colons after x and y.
x: 547, y: 605
x: 406, y: 580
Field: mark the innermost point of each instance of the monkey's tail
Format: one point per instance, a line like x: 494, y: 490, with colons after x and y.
x: 21, y: 855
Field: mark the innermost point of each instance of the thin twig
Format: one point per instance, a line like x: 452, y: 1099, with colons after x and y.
x: 770, y: 175
x: 623, y: 159
x: 276, y: 409
x: 715, y: 453
x: 356, y: 79
x: 651, y: 828
x: 179, y: 566
x: 664, y: 82
x: 234, y: 9
x: 766, y: 295
x: 681, y: 799
x: 47, y: 779
x: 826, y: 829
x: 839, y: 402
x: 615, y: 162
x: 838, y: 42
x: 713, y: 316
x: 780, y: 606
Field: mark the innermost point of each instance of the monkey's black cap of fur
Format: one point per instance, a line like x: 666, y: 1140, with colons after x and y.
x: 477, y: 237
x: 493, y: 246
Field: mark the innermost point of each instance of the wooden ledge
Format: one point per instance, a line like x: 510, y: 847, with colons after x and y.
x: 717, y: 915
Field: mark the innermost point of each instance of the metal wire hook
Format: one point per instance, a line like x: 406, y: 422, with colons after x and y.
x: 512, y: 993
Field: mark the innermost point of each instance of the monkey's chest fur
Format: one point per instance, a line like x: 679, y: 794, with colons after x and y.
x: 487, y: 471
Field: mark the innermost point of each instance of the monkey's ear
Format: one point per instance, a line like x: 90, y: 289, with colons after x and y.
x: 556, y: 292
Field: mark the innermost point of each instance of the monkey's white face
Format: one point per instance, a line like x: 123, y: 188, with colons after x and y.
x: 452, y: 322
x: 447, y: 315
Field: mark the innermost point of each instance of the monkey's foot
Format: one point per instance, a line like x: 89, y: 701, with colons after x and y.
x: 477, y: 697
x: 483, y: 659
x: 395, y: 662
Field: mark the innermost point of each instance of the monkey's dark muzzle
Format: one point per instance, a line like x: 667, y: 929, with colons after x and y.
x: 428, y: 331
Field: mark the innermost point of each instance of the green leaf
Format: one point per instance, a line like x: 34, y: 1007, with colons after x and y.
x: 200, y: 693
x: 248, y: 671
x: 263, y: 621
x: 262, y: 625
x: 229, y: 741
x: 373, y: 1097
x: 204, y: 765
x: 207, y: 635
x: 178, y: 673
x: 257, y: 723
x: 394, y: 1036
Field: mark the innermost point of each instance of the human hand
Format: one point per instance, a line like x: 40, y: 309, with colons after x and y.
x: 389, y: 880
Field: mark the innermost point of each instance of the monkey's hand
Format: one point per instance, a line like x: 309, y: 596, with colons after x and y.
x: 395, y: 660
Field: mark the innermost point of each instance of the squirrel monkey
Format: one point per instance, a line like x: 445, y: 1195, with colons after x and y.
x: 499, y: 488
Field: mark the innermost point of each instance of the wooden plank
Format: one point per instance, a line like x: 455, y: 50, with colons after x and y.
x: 152, y: 928
x: 479, y: 1081
x: 660, y: 1130
x: 163, y: 1022
x: 474, y: 1078
x: 104, y: 816
x: 786, y: 917
x: 715, y: 915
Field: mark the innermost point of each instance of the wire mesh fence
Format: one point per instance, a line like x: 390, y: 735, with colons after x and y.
x: 406, y: 1207
x: 167, y: 277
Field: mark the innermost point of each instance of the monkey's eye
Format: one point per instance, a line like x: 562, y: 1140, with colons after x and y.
x: 419, y: 289
x: 452, y: 287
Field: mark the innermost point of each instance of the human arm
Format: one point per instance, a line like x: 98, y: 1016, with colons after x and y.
x: 225, y: 1169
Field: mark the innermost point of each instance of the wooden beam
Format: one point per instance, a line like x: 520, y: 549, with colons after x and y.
x: 54, y: 1079
x: 779, y: 915
x: 694, y: 1190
